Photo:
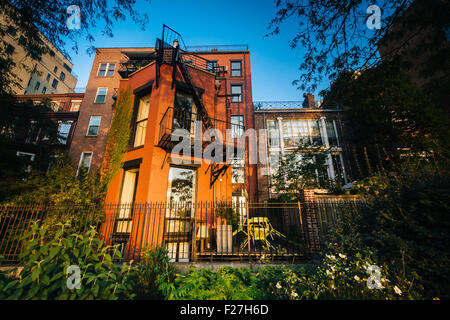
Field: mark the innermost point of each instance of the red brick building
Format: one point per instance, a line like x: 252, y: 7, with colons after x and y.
x: 66, y: 109
x: 101, y: 94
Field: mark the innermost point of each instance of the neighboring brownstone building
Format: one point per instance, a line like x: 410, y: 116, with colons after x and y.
x: 96, y: 112
x: 65, y: 112
x: 291, y: 124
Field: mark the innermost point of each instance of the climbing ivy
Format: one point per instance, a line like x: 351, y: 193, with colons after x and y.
x: 118, y: 137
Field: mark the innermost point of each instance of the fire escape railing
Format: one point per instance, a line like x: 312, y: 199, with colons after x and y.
x: 179, y: 119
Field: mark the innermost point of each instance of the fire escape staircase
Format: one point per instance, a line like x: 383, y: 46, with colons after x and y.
x: 173, y: 55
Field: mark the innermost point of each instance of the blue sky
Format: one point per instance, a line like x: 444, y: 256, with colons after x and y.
x: 274, y: 64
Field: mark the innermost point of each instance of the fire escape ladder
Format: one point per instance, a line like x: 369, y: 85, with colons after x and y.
x: 170, y: 53
x: 206, y: 120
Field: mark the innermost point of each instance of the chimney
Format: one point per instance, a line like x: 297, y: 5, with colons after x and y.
x: 309, y: 101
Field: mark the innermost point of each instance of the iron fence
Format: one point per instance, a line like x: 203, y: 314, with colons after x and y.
x: 201, y: 231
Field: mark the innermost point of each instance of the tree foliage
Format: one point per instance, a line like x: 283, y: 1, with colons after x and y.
x: 60, y: 186
x: 388, y: 116
x: 35, y: 19
x: 335, y: 37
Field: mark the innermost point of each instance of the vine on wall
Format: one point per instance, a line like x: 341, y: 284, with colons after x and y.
x: 118, y: 137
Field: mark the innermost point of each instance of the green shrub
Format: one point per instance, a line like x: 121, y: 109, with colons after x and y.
x: 153, y: 278
x: 204, y: 284
x: 406, y: 226
x: 45, y: 263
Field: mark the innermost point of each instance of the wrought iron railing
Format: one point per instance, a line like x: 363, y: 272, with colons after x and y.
x: 267, y: 105
x: 221, y: 48
x: 192, y: 231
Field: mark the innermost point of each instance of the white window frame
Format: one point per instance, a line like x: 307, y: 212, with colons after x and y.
x: 89, y: 125
x: 239, y: 98
x: 96, y: 96
x: 19, y: 153
x: 76, y: 102
x: 81, y: 158
x: 108, y: 64
x: 237, y: 129
x: 68, y: 133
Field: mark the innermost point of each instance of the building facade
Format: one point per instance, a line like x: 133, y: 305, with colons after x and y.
x: 102, y: 90
x: 291, y: 125
x: 51, y: 74
x: 32, y: 142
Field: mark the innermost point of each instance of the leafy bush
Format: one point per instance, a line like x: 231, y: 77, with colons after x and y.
x: 269, y: 280
x: 204, y: 284
x: 406, y: 226
x: 45, y: 263
x: 153, y: 278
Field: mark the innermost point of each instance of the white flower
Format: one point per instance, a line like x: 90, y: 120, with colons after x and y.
x: 343, y: 256
x: 294, y: 294
x: 356, y: 278
x: 333, y: 287
x: 278, y: 285
x: 329, y: 272
x: 397, y: 290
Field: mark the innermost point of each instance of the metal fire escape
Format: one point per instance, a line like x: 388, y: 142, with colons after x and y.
x: 171, y: 50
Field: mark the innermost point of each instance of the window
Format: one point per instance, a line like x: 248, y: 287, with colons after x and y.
x: 237, y: 171
x: 48, y: 78
x: 54, y: 83
x: 52, y: 53
x: 75, y: 105
x: 63, y: 131
x: 10, y: 49
x: 331, y: 133
x: 141, y: 121
x: 274, y: 136
x: 211, y: 65
x: 185, y: 112
x: 27, y: 159
x: 85, y: 161
x: 274, y: 158
x: 237, y: 126
x: 180, y: 195
x: 111, y: 69
x: 62, y: 76
x: 236, y: 68
x: 68, y: 68
x: 236, y: 89
x: 301, y: 132
x: 106, y: 69
x: 36, y: 87
x: 94, y: 124
x: 55, y: 69
x: 44, y: 89
x: 127, y: 195
x: 12, y: 31
x: 33, y: 132
x: 101, y: 95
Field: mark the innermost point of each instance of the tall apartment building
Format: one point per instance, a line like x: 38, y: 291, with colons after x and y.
x: 102, y: 89
x: 294, y: 124
x: 51, y: 74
